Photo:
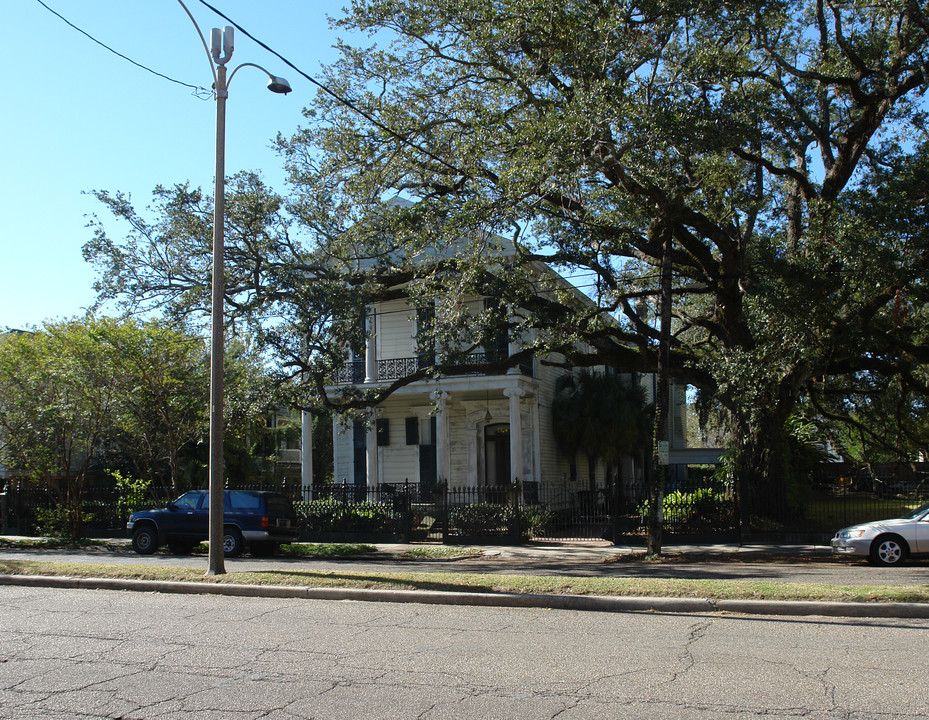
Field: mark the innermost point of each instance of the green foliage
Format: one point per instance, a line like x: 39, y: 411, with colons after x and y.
x: 333, y: 515
x: 126, y: 393
x: 774, y: 141
x: 326, y: 550
x: 535, y: 521
x: 53, y: 522
x: 604, y: 416
x: 702, y: 508
x: 481, y: 519
x: 251, y: 401
x: 132, y: 493
x: 58, y: 408
x: 162, y: 376
x: 487, y: 519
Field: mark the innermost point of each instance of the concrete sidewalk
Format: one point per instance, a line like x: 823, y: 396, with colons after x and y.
x: 595, y: 550
x: 578, y: 550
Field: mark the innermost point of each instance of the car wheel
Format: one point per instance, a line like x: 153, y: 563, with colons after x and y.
x: 264, y: 549
x: 145, y: 540
x: 889, y: 550
x: 232, y: 542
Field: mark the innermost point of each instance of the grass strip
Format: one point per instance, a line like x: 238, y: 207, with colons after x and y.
x: 473, y: 582
x: 439, y: 552
x: 325, y: 549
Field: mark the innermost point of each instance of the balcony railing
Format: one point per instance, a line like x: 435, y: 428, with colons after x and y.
x: 352, y: 374
x: 395, y: 368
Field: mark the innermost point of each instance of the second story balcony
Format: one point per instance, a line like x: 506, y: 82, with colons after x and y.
x: 353, y: 373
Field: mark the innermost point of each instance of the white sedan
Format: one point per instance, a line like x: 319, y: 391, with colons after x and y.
x: 886, y: 542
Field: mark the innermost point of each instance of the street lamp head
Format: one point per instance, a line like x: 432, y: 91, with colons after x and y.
x: 278, y: 85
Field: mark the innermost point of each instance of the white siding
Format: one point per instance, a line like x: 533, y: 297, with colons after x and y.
x: 396, y: 327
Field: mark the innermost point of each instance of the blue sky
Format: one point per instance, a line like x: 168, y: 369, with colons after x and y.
x: 77, y: 117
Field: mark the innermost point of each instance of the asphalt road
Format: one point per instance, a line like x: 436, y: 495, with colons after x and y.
x: 104, y: 654
x: 605, y: 562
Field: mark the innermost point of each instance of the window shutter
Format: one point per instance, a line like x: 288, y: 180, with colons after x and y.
x: 382, y: 426
x: 412, y: 431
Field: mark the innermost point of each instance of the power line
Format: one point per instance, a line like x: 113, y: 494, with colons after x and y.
x: 339, y: 98
x: 199, y: 90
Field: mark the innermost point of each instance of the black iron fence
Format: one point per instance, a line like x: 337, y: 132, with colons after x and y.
x: 411, y: 512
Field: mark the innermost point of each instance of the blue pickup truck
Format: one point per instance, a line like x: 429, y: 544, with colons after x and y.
x: 257, y: 519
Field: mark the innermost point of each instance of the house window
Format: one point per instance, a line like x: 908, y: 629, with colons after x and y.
x: 497, y: 346
x: 412, y: 431
x: 382, y: 426
x: 427, y: 430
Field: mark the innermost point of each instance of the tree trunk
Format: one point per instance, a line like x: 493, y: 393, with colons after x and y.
x: 762, y: 471
x: 75, y: 507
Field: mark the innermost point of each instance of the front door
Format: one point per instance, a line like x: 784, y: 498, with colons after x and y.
x: 497, y: 455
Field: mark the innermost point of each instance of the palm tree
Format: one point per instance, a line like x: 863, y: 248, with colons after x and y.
x: 600, y: 415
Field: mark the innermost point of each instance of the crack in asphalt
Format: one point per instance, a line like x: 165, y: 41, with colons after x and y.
x: 439, y: 668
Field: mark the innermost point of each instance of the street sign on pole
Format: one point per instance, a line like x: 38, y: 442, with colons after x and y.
x: 664, y: 452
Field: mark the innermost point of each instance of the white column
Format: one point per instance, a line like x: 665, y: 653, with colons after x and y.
x: 306, y: 454
x: 516, y: 434
x: 370, y: 347
x: 442, y: 454
x: 512, y: 349
x: 371, y: 451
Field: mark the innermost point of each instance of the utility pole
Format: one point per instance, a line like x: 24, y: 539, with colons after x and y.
x: 659, y: 479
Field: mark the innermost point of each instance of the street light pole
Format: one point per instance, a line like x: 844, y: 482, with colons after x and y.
x: 219, y: 53
x: 217, y: 331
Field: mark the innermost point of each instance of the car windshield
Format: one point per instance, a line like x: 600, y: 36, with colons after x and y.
x: 913, y: 514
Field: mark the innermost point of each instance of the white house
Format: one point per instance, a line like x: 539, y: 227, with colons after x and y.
x: 474, y: 431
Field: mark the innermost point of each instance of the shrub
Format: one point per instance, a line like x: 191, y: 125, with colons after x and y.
x: 132, y: 494
x: 481, y: 519
x: 696, y: 509
x: 536, y: 521
x: 336, y: 516
x: 494, y: 519
x: 52, y: 522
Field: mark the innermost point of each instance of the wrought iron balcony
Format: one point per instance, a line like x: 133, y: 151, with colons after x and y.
x: 394, y: 368
x: 352, y: 374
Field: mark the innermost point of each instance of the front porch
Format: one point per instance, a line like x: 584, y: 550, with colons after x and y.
x: 474, y: 432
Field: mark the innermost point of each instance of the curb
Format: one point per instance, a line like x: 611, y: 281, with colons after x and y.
x: 429, y: 597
